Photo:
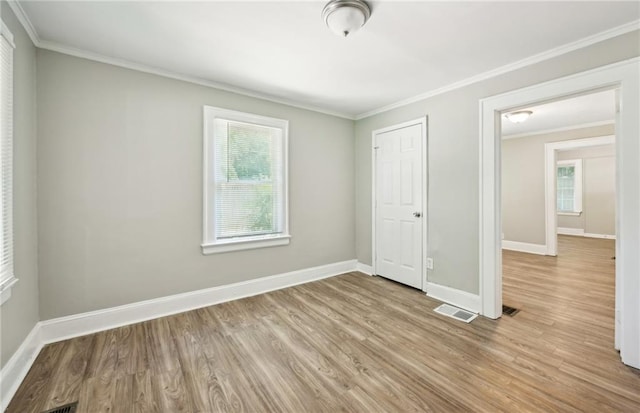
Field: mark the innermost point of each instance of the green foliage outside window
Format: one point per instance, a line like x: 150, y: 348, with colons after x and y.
x: 249, y: 161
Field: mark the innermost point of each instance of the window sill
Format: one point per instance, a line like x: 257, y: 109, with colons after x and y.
x: 245, y: 244
x: 570, y: 214
x: 5, y: 289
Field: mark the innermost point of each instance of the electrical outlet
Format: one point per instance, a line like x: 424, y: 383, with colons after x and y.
x: 429, y: 263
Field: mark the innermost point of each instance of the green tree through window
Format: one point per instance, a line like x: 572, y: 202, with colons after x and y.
x: 248, y: 164
x: 245, y: 187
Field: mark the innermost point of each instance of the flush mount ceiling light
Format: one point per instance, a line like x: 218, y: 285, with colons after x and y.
x: 345, y: 16
x: 519, y: 116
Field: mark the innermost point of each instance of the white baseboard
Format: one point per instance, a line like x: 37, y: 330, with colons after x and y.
x: 571, y: 231
x: 63, y: 328
x: 364, y: 268
x: 579, y: 232
x: 603, y: 236
x: 453, y: 296
x: 538, y: 249
x: 18, y: 366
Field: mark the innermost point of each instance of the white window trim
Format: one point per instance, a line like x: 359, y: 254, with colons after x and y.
x: 8, y: 281
x: 577, y: 186
x: 209, y: 246
x: 569, y: 214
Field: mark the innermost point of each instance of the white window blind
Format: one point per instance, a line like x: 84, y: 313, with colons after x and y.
x: 245, y: 181
x: 7, y: 277
x: 249, y: 179
x: 569, y: 186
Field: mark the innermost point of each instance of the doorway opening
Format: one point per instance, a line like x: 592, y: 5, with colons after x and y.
x: 558, y: 220
x: 622, y: 76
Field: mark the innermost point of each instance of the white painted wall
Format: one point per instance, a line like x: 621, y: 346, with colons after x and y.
x: 599, y: 191
x: 120, y: 188
x: 523, y: 182
x: 19, y: 314
x: 454, y: 153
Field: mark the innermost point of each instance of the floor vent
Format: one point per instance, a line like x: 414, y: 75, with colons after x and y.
x: 67, y: 408
x: 455, y: 312
x: 510, y: 311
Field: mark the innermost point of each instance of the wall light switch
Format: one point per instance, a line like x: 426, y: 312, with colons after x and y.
x: 429, y: 263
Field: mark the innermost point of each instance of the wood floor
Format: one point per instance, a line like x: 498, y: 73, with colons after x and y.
x: 355, y: 343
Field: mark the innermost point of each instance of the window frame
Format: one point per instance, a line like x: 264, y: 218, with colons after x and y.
x: 7, y: 273
x: 577, y: 186
x: 210, y: 244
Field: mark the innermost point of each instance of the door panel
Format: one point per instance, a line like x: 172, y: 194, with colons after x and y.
x: 398, y: 205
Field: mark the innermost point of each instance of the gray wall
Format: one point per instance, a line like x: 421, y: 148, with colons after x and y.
x: 19, y: 314
x: 120, y: 188
x: 523, y: 214
x: 598, y: 190
x: 453, y: 152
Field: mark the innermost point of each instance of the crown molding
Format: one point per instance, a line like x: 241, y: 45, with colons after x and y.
x: 6, y: 33
x: 71, y: 51
x: 84, y: 54
x: 569, y: 47
x: 549, y: 54
x: 21, y: 15
x: 562, y: 129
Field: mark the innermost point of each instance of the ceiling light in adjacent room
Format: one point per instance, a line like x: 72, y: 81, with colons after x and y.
x: 519, y: 116
x: 345, y: 16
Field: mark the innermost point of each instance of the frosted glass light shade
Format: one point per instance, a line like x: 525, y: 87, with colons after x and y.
x: 519, y: 117
x: 345, y: 16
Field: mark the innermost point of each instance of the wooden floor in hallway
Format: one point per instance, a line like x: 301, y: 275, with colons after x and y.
x: 355, y: 343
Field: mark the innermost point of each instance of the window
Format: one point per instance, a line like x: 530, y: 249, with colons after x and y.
x: 245, y: 181
x: 569, y: 187
x: 7, y: 278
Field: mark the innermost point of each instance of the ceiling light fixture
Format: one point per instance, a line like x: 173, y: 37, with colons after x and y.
x: 345, y: 16
x: 519, y: 116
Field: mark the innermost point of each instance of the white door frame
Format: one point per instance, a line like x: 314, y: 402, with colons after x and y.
x: 420, y: 121
x: 625, y: 77
x: 550, y: 156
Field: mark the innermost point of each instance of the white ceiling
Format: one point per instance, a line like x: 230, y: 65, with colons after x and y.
x: 591, y: 109
x: 282, y: 50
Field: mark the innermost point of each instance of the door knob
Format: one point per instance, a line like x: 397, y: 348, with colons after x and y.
x: 417, y: 214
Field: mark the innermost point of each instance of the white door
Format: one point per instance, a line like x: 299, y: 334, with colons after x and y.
x: 399, y: 211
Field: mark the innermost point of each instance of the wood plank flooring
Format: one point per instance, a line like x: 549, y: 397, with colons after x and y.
x: 355, y: 343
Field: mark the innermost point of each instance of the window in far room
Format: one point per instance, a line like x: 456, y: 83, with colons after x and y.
x: 7, y: 277
x: 245, y: 181
x: 569, y: 187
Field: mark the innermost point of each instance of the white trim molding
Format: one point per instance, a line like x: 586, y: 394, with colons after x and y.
x: 16, y: 369
x: 569, y: 214
x: 529, y: 248
x: 540, y: 57
x: 578, y: 232
x: 550, y: 181
x: 601, y: 236
x: 215, y: 125
x: 63, y: 328
x: 86, y: 323
x: 6, y: 33
x: 566, y: 48
x: 96, y: 57
x: 453, y: 296
x: 364, y: 268
x: 21, y: 15
x: 563, y: 129
x: 623, y: 77
x: 577, y: 185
